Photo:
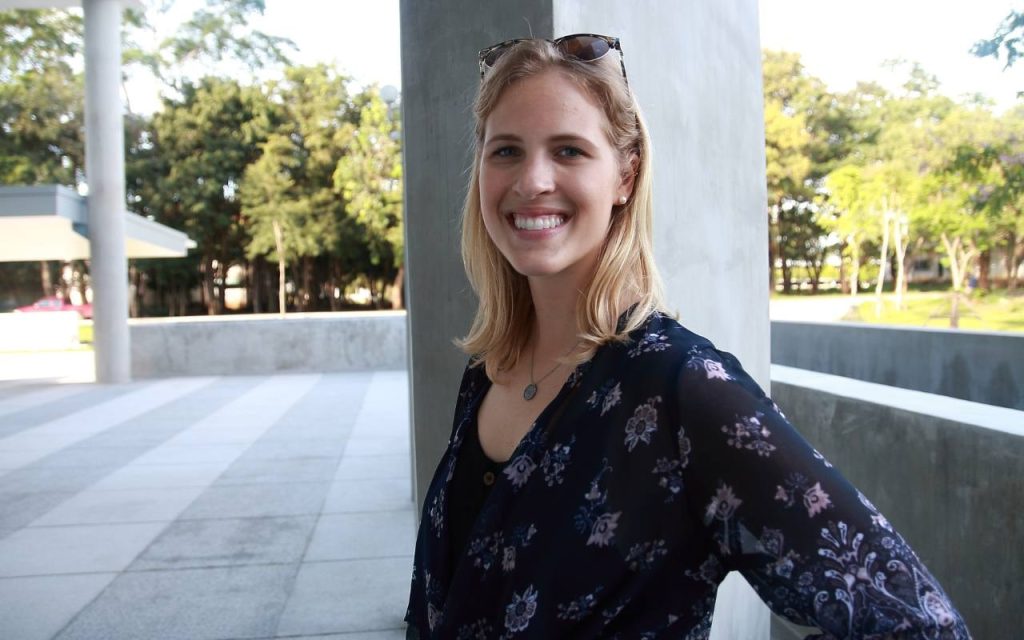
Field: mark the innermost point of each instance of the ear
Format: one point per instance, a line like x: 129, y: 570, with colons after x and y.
x: 629, y: 175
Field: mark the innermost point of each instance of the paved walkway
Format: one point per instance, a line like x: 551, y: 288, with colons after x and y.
x: 826, y: 308
x: 206, y: 508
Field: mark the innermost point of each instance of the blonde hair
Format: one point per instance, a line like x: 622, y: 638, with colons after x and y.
x: 625, y: 271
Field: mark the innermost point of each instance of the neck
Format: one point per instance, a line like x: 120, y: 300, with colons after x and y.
x: 554, y: 321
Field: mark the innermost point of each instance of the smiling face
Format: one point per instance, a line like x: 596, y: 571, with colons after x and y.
x: 549, y: 178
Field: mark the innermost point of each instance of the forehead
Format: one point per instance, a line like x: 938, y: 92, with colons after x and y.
x: 545, y: 102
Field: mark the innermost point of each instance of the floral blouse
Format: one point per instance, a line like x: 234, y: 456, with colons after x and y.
x: 659, y: 467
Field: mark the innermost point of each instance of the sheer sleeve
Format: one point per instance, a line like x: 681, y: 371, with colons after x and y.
x: 813, y: 547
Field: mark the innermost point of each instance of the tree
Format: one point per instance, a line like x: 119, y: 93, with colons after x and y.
x: 290, y: 200
x: 369, y: 176
x: 1007, y: 42
x: 275, y: 212
x: 41, y: 110
x: 808, y: 130
x: 993, y: 170
x: 41, y: 96
x: 205, y: 142
x: 853, y: 220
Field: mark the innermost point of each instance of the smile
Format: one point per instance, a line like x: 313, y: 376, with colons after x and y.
x: 537, y: 223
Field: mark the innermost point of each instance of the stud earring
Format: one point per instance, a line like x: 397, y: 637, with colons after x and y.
x: 622, y: 199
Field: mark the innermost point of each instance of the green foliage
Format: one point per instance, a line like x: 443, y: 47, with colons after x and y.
x: 41, y: 127
x: 290, y: 184
x: 34, y: 40
x: 1008, y: 40
x: 369, y: 177
x: 220, y: 31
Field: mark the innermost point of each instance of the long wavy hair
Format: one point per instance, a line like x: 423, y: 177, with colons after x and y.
x: 625, y: 272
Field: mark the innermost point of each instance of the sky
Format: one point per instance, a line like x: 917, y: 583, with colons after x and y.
x: 841, y: 42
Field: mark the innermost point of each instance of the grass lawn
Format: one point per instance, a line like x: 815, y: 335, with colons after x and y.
x: 995, y: 311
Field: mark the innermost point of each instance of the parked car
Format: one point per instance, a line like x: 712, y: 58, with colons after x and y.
x: 54, y: 303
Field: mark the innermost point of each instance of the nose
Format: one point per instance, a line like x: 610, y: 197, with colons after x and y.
x: 536, y: 177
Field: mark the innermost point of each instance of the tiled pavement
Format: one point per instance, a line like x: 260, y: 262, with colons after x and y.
x: 206, y: 508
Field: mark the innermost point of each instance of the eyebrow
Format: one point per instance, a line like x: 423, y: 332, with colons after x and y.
x: 561, y: 137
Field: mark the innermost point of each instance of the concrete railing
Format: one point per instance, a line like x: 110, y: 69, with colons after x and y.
x: 946, y: 472
x: 40, y: 330
x: 249, y: 345
x: 980, y: 366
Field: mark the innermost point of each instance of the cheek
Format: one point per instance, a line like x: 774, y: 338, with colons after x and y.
x: 490, y: 192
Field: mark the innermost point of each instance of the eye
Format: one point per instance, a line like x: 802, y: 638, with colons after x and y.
x: 505, y: 152
x: 570, y: 152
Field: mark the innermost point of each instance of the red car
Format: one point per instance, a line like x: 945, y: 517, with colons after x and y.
x: 54, y: 303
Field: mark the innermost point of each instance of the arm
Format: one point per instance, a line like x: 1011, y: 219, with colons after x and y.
x: 812, y: 546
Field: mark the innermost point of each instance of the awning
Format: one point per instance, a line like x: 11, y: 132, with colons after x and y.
x: 49, y: 222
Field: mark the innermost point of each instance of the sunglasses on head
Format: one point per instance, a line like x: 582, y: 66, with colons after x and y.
x: 585, y: 47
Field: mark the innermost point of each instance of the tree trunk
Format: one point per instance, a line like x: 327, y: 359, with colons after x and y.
x: 787, y: 276
x: 855, y: 269
x: 396, y: 289
x: 133, y: 290
x: 1011, y: 262
x: 844, y: 285
x: 881, y: 267
x: 961, y: 255
x: 253, y: 282
x: 45, y: 278
x: 1018, y: 262
x: 269, y: 290
x: 900, y: 242
x: 984, y: 267
x: 308, y: 295
x: 337, y: 277
x: 954, y: 310
x: 82, y: 281
x: 771, y: 253
x: 222, y: 271
x: 206, y: 268
x: 281, y: 266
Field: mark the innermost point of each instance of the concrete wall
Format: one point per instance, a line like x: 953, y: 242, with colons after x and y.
x: 248, y: 345
x: 945, y: 472
x: 980, y: 366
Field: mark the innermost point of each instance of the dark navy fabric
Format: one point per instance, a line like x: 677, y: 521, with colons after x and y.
x: 475, y: 474
x: 659, y: 467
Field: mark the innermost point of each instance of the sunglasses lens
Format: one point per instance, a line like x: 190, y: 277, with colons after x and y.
x: 492, y: 56
x: 585, y: 48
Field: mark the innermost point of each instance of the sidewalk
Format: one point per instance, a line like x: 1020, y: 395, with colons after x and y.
x: 206, y: 508
x: 825, y: 308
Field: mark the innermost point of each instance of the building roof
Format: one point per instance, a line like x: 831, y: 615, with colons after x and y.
x: 50, y: 222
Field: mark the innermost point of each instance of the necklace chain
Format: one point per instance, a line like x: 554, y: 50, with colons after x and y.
x: 530, y: 391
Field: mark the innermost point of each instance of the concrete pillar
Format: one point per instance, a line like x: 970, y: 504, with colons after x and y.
x: 440, y: 41
x: 104, y: 173
x: 696, y: 69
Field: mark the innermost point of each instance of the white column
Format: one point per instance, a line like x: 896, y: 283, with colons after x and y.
x: 104, y: 173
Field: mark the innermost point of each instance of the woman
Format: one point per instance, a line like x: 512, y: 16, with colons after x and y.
x: 607, y: 467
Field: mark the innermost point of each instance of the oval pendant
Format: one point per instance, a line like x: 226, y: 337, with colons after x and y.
x: 529, y: 391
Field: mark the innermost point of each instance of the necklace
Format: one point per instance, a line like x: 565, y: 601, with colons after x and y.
x: 530, y: 391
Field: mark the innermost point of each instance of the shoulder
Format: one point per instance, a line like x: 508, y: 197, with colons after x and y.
x: 683, y: 365
x: 661, y: 340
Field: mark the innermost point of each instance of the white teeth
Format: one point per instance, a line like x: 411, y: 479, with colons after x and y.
x: 538, y: 222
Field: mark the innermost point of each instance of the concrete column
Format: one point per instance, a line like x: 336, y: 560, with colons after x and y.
x: 696, y: 70
x: 104, y: 173
x: 440, y: 41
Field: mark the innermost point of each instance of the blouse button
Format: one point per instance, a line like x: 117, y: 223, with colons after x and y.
x: 488, y: 478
